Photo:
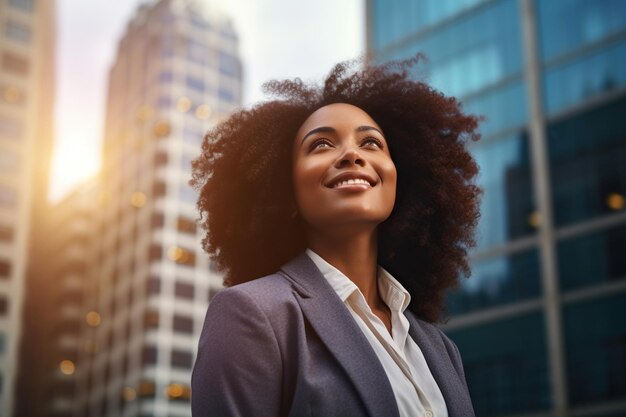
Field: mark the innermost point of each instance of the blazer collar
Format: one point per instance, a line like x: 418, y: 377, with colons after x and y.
x: 436, y: 354
x: 339, y: 332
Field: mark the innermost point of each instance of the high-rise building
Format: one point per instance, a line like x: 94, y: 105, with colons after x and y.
x: 27, y: 40
x: 53, y: 337
x: 176, y: 74
x: 541, y: 322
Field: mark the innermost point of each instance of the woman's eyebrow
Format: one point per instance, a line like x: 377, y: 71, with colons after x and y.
x: 325, y: 129
x: 328, y: 129
x: 365, y: 128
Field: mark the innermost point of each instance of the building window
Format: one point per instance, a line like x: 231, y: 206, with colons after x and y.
x: 17, y: 31
x: 165, y: 77
x: 197, y: 52
x: 12, y: 94
x: 498, y: 281
x: 159, y: 189
x: 25, y: 5
x: 181, y: 359
x: 195, y: 84
x: 153, y: 286
x: 182, y: 256
x: 183, y: 324
x: 592, y: 259
x: 160, y: 159
x: 151, y: 319
x: 184, y: 290
x: 5, y: 268
x: 506, y: 365
x: 587, y: 155
x: 226, y: 95
x: 157, y: 221
x: 10, y: 128
x: 186, y: 225
x: 595, y: 345
x: 228, y: 64
x: 14, y: 63
x: 165, y: 103
x: 149, y: 355
x: 178, y: 392
x: 146, y: 389
x: 4, y: 306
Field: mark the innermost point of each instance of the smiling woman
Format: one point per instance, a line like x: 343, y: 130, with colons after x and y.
x: 339, y: 215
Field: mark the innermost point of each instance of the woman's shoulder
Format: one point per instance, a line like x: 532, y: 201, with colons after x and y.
x: 265, y: 294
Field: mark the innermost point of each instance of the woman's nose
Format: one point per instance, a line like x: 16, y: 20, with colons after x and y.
x: 351, y: 156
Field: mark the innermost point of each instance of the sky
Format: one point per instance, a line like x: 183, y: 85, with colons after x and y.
x: 277, y: 39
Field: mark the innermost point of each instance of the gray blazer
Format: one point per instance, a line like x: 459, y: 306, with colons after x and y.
x: 285, y: 345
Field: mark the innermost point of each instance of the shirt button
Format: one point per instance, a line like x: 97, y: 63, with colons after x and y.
x: 428, y: 413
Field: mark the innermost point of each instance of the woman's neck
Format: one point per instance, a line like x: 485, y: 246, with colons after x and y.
x: 355, y: 255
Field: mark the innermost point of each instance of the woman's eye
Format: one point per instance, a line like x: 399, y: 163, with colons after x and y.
x: 372, y: 141
x: 320, y: 144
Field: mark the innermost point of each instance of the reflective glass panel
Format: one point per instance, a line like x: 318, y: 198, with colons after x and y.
x: 506, y: 365
x: 565, y: 25
x: 17, y: 31
x: 588, y: 172
x: 497, y: 281
x: 504, y: 108
x: 467, y: 55
x: 228, y: 64
x: 592, y: 75
x: 395, y: 19
x: 507, y: 200
x: 595, y: 343
x: 24, y: 5
x: 594, y: 258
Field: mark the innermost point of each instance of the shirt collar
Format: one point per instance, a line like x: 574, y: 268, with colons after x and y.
x: 391, y: 291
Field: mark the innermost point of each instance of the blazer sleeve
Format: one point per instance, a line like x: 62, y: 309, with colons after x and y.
x: 238, y: 367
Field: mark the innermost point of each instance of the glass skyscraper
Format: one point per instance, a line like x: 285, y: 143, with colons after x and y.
x: 541, y: 323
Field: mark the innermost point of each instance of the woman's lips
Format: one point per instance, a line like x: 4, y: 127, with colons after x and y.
x: 352, y: 179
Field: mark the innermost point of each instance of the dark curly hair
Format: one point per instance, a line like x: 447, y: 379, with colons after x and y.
x: 244, y: 176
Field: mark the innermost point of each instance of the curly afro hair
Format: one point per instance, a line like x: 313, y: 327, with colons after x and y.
x: 244, y: 175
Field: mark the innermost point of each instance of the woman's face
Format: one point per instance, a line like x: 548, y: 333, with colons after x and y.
x: 343, y: 173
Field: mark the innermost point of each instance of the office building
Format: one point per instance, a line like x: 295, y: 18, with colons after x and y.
x: 55, y: 304
x: 27, y: 41
x: 540, y: 323
x: 176, y: 73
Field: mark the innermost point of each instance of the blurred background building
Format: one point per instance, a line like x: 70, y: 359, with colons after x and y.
x: 177, y: 72
x: 27, y: 46
x: 541, y: 323
x: 54, y: 311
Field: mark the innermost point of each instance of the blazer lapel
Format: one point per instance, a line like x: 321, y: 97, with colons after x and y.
x: 436, y: 355
x: 337, y: 329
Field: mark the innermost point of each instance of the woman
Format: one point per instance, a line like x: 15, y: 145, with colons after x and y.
x: 355, y: 203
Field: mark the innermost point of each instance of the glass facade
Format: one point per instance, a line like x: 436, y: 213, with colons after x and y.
x: 565, y: 25
x: 498, y: 281
x: 587, y: 157
x: 507, y: 199
x: 500, y: 318
x: 489, y: 367
x: 595, y: 335
x: 593, y: 258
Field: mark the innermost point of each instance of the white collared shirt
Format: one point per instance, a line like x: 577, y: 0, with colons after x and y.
x: 414, y: 387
